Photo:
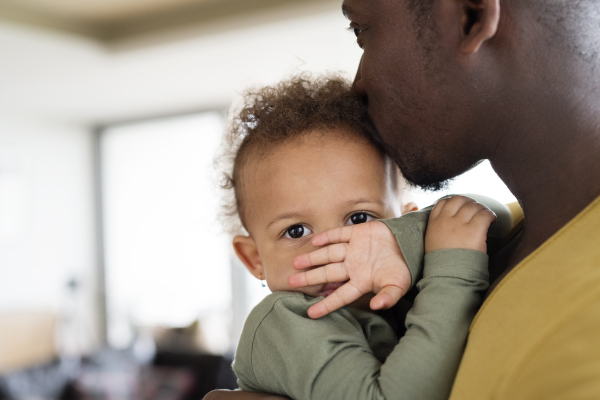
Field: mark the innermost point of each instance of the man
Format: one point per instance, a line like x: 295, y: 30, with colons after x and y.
x: 449, y: 83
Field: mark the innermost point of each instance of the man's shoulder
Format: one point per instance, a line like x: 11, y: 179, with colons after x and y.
x: 547, y: 312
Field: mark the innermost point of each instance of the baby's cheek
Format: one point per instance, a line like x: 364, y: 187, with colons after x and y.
x: 280, y: 267
x: 277, y: 279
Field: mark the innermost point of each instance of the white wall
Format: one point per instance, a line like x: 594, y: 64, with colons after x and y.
x: 166, y: 257
x: 47, y: 220
x: 78, y: 80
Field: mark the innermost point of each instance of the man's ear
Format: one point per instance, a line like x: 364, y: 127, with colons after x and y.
x: 479, y: 22
x: 247, y: 252
x: 409, y: 207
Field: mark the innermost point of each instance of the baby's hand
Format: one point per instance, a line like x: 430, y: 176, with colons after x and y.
x: 366, y: 255
x: 458, y: 223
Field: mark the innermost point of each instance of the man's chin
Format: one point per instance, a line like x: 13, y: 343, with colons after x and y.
x: 427, y: 184
x: 415, y: 170
x: 428, y: 177
x: 418, y: 175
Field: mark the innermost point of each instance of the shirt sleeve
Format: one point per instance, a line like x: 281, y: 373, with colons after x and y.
x: 423, y: 365
x: 409, y: 231
x: 330, y: 358
x: 410, y: 228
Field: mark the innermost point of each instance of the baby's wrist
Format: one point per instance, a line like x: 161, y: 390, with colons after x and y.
x: 447, y: 241
x: 456, y: 263
x: 456, y: 246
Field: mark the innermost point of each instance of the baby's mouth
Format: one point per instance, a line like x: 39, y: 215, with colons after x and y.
x: 329, y: 288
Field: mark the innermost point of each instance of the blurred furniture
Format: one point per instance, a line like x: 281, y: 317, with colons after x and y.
x: 30, y: 367
x: 116, y: 375
x: 210, y: 371
x: 26, y: 339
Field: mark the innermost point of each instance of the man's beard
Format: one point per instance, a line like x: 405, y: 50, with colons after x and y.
x: 426, y: 176
x: 415, y: 170
x: 418, y: 174
x: 412, y: 164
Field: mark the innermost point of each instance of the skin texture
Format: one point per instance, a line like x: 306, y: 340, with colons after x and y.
x: 458, y: 223
x: 410, y: 92
x: 317, y: 182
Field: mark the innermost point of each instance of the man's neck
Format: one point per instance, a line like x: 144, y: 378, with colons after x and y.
x: 554, y: 172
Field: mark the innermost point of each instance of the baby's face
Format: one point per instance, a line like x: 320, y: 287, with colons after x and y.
x: 305, y: 187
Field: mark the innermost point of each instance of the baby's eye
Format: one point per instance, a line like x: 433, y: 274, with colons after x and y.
x: 296, y: 232
x: 359, y: 218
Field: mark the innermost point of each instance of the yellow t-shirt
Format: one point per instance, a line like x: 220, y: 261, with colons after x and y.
x: 537, y: 336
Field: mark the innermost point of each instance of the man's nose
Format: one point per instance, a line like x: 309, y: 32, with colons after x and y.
x: 358, y: 85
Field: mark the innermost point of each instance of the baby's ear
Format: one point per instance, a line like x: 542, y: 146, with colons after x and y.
x: 409, y: 207
x: 247, y: 252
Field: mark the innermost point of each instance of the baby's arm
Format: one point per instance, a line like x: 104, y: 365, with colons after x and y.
x: 290, y: 354
x: 455, y: 277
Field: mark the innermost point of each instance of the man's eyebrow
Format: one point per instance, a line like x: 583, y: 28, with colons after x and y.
x: 347, y: 11
x: 285, y: 216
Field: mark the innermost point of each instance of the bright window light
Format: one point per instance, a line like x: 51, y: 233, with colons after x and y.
x: 166, y: 256
x: 480, y: 180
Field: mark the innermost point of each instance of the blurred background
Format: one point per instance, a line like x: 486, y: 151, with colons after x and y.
x: 116, y: 280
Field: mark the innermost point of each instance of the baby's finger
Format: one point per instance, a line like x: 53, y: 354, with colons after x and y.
x: 337, y: 235
x: 343, y: 296
x: 327, y: 255
x: 387, y: 297
x: 484, y: 217
x: 335, y: 272
x: 468, y: 211
x: 437, y: 209
x: 454, y: 204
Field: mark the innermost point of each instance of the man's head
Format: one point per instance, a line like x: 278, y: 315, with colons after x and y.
x: 451, y: 82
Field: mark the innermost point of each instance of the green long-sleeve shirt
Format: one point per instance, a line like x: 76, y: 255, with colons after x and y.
x: 355, y: 354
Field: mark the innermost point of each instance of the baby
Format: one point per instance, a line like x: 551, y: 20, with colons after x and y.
x: 303, y: 163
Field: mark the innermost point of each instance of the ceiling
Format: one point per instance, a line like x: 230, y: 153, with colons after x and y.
x: 113, y: 20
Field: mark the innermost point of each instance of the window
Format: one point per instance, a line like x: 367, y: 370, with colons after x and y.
x: 167, y: 260
x: 480, y: 180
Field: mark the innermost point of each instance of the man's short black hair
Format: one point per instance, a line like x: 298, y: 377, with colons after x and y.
x: 572, y: 24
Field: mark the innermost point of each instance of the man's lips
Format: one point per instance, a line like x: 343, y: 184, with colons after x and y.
x: 329, y: 288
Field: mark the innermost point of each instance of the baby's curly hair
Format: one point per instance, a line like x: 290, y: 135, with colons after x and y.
x: 275, y: 114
